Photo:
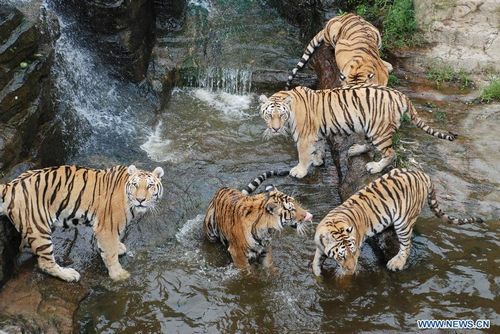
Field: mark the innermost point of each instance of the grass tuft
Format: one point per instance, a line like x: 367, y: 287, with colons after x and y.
x: 446, y: 74
x: 491, y: 92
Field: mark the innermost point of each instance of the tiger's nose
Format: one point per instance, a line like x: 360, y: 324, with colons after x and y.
x: 140, y: 200
x: 275, y: 129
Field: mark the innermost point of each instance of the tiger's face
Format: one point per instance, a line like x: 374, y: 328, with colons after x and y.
x: 276, y: 112
x: 340, y: 244
x: 144, y: 189
x: 286, y: 210
x: 356, y: 74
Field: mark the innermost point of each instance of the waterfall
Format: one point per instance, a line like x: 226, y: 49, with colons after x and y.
x: 229, y: 80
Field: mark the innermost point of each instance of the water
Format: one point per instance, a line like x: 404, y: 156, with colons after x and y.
x: 209, y: 136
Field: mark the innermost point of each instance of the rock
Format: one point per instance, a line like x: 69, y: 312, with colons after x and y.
x: 463, y: 33
x: 27, y: 111
x: 170, y: 14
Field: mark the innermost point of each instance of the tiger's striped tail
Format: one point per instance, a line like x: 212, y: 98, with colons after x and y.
x: 311, y: 47
x: 433, y: 204
x: 418, y: 122
x: 250, y: 188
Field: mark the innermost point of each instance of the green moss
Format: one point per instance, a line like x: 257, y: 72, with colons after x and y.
x: 393, y: 80
x: 491, y: 92
x: 446, y: 74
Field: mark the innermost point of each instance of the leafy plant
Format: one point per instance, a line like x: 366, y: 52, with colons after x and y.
x: 446, y: 74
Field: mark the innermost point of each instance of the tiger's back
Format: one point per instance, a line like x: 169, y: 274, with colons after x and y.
x: 356, y: 43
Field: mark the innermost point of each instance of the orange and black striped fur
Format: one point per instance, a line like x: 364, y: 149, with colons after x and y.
x: 396, y: 199
x: 356, y: 43
x: 246, y: 224
x: 312, y: 115
x: 38, y: 200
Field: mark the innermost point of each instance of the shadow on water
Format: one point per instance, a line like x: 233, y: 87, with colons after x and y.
x: 210, y: 136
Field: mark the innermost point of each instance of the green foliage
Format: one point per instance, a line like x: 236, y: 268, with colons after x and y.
x: 406, y: 119
x: 439, y: 116
x: 446, y: 74
x: 491, y: 92
x: 395, y: 18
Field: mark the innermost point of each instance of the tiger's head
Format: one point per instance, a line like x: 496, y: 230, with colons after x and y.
x: 275, y: 110
x: 286, y: 210
x: 339, y: 243
x: 363, y: 72
x: 143, y: 189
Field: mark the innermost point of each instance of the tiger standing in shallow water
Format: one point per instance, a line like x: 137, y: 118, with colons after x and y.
x: 312, y: 115
x: 38, y: 200
x: 396, y: 199
x: 356, y: 43
x: 245, y: 224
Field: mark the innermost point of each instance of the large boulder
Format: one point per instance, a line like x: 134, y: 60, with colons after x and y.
x: 462, y: 33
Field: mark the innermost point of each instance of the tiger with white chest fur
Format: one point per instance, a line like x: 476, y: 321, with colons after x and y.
x: 38, y: 200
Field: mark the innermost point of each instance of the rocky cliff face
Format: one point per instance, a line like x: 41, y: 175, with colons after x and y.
x: 28, y: 130
x: 463, y: 33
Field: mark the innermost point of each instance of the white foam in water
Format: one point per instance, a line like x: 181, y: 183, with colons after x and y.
x: 191, y: 230
x: 230, y: 104
x: 158, y: 148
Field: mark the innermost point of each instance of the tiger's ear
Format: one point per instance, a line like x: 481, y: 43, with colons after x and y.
x: 158, y: 172
x: 288, y: 100
x: 262, y: 98
x: 270, y: 188
x: 131, y: 169
x: 271, y: 207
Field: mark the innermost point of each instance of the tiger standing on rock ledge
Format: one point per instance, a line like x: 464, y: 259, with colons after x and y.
x: 395, y: 198
x: 312, y: 115
x: 38, y: 200
x: 246, y: 224
x: 356, y: 43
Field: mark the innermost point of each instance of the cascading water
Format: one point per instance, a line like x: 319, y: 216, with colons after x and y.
x: 99, y: 112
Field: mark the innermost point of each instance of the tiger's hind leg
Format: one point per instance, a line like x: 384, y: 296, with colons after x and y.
x: 403, y: 231
x: 43, y: 248
x: 384, y: 145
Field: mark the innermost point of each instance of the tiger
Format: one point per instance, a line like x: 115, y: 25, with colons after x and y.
x: 312, y: 115
x: 39, y: 200
x: 356, y: 43
x: 396, y: 198
x: 245, y: 223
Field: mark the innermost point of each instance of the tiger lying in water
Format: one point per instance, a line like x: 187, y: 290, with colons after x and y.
x: 312, y: 115
x: 38, y: 200
x: 356, y: 43
x: 396, y: 199
x: 245, y: 224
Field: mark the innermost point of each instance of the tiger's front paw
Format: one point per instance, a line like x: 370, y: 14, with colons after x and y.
x: 69, y: 275
x: 374, y: 167
x: 119, y: 275
x: 122, y: 249
x: 316, y: 270
x: 396, y: 263
x: 298, y: 172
